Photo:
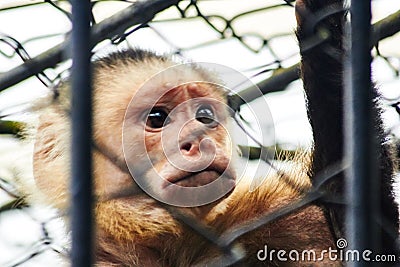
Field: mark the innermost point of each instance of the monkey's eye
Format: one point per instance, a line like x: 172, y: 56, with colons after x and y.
x: 157, y: 118
x: 205, y: 114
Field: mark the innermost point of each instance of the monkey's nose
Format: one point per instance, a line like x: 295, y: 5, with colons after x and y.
x: 190, y: 149
x: 203, y: 149
x: 186, y: 147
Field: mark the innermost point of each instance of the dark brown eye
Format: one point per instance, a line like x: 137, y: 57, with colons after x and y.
x: 157, y: 118
x: 205, y: 114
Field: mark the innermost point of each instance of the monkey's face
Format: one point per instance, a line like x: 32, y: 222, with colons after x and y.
x: 182, y: 151
x: 175, y: 140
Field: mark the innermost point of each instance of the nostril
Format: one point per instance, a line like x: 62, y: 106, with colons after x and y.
x: 186, y: 146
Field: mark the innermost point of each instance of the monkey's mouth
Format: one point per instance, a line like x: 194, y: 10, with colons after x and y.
x: 193, y: 189
x: 196, y: 179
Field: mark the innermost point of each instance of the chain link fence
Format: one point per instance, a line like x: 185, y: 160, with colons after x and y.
x: 34, y: 59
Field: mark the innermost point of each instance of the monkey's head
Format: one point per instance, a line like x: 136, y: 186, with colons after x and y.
x: 159, y: 128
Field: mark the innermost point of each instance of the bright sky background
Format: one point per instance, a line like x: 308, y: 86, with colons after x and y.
x: 287, y: 108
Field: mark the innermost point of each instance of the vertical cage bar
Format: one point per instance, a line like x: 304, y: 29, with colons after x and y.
x: 361, y: 139
x: 81, y: 116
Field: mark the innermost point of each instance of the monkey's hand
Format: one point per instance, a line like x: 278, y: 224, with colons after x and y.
x: 320, y: 23
x: 320, y: 32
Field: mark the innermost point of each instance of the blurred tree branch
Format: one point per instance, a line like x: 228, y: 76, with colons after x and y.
x: 385, y: 28
x: 143, y: 12
x: 279, y: 153
x: 16, y: 201
x: 13, y: 204
x: 12, y: 127
x: 283, y: 77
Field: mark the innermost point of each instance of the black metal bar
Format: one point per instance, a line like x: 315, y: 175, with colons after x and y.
x: 361, y: 139
x: 81, y: 116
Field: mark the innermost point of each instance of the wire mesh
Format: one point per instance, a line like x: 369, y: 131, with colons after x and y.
x: 274, y: 66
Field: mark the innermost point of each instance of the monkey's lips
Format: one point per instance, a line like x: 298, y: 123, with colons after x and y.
x: 194, y: 189
x: 198, y: 179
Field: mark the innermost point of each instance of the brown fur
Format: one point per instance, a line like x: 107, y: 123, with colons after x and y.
x: 132, y: 235
x: 135, y: 230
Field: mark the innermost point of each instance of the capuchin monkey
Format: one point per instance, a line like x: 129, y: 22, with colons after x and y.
x: 166, y: 139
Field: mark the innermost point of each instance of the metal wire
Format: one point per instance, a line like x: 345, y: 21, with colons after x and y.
x: 121, y: 29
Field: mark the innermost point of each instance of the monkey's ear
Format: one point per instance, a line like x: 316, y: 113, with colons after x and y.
x: 51, y: 158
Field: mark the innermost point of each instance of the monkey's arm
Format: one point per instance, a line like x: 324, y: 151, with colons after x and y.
x: 320, y: 37
x: 322, y: 74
